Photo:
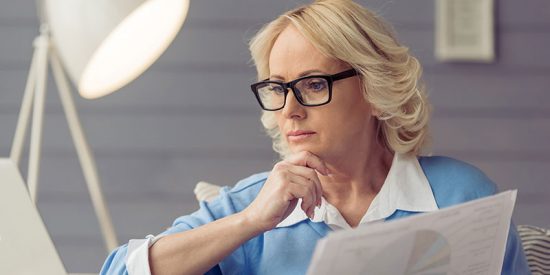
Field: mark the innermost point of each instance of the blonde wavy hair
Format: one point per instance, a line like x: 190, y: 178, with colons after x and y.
x: 390, y: 75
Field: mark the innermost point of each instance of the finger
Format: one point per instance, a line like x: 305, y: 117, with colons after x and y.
x: 309, y: 176
x: 310, y: 198
x: 307, y: 159
x: 284, y: 175
x: 298, y: 191
x: 310, y: 212
x: 309, y: 173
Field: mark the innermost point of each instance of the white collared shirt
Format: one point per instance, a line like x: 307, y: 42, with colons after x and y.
x: 405, y: 188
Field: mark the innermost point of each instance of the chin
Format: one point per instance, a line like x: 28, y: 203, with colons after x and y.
x: 312, y: 149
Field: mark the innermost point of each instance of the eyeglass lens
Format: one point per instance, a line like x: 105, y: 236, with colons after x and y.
x: 309, y: 91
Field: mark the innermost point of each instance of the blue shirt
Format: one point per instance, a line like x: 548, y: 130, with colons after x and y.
x: 288, y: 250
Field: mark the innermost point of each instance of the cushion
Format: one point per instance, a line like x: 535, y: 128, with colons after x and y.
x: 536, y: 244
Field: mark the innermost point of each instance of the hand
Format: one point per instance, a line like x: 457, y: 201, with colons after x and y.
x: 291, y: 179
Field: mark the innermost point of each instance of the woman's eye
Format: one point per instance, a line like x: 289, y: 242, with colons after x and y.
x: 316, y: 85
x: 277, y: 89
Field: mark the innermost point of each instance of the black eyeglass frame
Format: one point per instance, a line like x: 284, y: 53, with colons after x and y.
x: 329, y: 78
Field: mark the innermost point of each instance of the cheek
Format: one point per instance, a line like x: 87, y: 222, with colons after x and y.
x: 351, y: 121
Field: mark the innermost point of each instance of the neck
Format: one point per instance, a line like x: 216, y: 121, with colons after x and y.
x: 358, y: 175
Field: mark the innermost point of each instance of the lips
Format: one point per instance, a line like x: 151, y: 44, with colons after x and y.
x: 299, y: 135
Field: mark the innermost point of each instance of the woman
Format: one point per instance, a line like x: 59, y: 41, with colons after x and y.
x: 345, y: 108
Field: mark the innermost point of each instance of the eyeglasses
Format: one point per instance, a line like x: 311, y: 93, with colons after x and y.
x: 312, y: 90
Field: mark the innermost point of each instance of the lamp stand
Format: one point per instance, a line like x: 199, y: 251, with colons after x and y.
x: 35, y: 91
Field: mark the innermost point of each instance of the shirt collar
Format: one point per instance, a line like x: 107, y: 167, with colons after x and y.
x: 405, y: 188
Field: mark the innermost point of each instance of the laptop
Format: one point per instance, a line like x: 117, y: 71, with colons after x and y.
x: 25, y: 245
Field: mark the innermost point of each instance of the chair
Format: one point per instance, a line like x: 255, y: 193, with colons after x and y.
x: 536, y: 244
x: 205, y: 191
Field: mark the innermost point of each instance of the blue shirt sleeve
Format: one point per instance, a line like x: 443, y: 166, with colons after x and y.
x: 220, y: 207
x: 229, y: 201
x: 114, y: 264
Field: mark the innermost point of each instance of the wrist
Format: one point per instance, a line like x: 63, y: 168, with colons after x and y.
x: 249, y: 223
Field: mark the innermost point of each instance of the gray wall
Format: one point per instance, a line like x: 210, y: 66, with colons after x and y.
x: 191, y: 117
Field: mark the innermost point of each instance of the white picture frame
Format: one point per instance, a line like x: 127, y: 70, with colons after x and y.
x: 464, y: 30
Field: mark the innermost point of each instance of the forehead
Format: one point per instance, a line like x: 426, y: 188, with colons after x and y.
x: 293, y: 54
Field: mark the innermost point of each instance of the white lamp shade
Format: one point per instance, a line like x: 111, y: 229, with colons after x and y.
x: 105, y: 44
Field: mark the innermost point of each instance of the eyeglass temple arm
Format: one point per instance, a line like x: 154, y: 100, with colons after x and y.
x: 344, y: 74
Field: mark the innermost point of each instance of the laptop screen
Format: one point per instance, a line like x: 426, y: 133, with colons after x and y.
x: 25, y: 245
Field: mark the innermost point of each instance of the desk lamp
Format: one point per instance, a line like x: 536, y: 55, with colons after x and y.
x: 102, y: 45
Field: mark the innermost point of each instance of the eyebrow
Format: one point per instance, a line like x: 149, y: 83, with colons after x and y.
x: 304, y: 73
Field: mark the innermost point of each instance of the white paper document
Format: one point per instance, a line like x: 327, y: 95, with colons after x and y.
x: 469, y: 238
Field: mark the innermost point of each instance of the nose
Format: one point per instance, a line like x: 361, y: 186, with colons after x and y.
x: 293, y: 109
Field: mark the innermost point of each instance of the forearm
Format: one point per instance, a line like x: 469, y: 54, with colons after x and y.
x: 197, y: 250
